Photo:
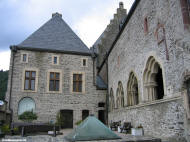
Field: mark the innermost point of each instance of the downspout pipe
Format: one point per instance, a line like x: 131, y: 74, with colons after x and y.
x: 13, y: 51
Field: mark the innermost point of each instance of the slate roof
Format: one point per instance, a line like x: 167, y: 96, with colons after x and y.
x: 55, y: 35
x: 100, y: 83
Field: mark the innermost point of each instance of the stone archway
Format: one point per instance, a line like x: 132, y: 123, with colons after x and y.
x: 153, y: 80
x: 132, y: 90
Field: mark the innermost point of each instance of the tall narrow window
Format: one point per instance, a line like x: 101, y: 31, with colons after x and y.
x: 54, y: 81
x: 77, y: 82
x: 84, y: 62
x: 145, y: 25
x: 29, y: 83
x: 24, y: 57
x: 55, y: 60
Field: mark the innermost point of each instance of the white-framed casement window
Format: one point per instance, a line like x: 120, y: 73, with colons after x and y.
x: 84, y: 62
x: 24, y: 57
x: 78, y: 82
x: 30, y: 80
x: 55, y: 60
x: 54, y: 81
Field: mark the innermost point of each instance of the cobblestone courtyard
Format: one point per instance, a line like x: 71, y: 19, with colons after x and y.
x: 60, y: 138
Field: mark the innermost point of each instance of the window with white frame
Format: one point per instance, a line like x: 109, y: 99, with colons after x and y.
x: 78, y: 82
x: 54, y: 81
x: 24, y: 57
x: 30, y: 80
x: 84, y: 62
x: 55, y: 60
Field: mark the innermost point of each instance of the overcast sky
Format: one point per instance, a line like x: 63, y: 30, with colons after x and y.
x: 20, y: 18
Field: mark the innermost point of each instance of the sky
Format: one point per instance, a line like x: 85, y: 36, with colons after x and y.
x: 20, y: 18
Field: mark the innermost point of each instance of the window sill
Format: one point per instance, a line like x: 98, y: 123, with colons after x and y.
x: 78, y: 93
x: 54, y: 92
x: 29, y: 91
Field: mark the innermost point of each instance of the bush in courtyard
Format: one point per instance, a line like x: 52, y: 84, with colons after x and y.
x: 28, y: 116
x: 5, y: 129
x: 78, y: 122
x: 59, y: 120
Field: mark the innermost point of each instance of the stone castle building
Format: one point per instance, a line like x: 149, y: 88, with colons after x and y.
x: 137, y: 71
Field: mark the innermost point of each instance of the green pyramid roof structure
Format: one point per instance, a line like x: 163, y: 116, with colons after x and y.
x: 91, y: 129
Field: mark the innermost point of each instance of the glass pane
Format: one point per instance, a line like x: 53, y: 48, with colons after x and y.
x: 32, y: 84
x: 74, y: 87
x: 57, y: 85
x: 26, y: 85
x: 34, y: 74
x: 51, y: 85
x: 80, y: 77
x: 55, y: 60
x: 27, y: 74
x: 51, y: 75
x: 74, y: 77
x: 24, y: 57
x: 57, y: 75
x: 80, y: 87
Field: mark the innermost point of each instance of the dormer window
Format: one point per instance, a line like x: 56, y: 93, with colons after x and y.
x: 24, y: 57
x: 55, y: 60
x: 84, y: 62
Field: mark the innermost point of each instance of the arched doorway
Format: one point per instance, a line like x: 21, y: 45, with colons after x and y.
x: 26, y: 104
x: 153, y: 80
x: 132, y: 90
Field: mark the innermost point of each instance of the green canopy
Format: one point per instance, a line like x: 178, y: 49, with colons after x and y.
x: 91, y: 129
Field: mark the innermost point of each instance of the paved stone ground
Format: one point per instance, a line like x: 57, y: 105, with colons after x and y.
x: 60, y: 138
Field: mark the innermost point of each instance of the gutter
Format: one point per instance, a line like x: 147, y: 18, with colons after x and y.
x: 53, y: 50
x: 134, y: 6
x: 13, y: 50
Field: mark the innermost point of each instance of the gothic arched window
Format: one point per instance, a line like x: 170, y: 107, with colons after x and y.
x: 153, y: 80
x: 132, y: 90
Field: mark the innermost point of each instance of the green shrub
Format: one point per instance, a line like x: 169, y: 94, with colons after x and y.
x: 78, y: 122
x: 5, y: 129
x: 28, y: 116
x: 59, y: 120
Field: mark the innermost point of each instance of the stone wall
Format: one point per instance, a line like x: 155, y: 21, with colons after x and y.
x: 155, y: 29
x: 163, y: 119
x: 48, y: 104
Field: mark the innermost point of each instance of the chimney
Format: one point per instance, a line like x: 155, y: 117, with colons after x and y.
x: 56, y: 14
x: 121, y: 5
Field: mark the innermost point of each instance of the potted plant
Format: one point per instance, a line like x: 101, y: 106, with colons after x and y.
x: 138, y: 131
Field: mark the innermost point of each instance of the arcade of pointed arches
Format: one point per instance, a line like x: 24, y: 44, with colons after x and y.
x: 152, y: 86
